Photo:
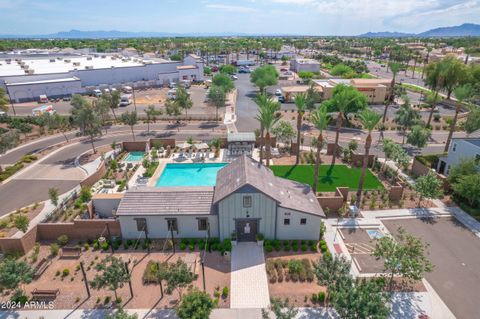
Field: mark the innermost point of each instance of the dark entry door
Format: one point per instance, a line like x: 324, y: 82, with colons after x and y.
x: 246, y: 229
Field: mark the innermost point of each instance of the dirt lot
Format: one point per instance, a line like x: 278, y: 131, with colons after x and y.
x: 72, y: 288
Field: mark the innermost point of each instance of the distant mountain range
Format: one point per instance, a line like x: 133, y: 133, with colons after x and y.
x: 114, y: 34
x: 464, y: 30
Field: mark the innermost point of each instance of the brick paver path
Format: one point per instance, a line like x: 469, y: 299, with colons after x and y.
x: 248, y: 281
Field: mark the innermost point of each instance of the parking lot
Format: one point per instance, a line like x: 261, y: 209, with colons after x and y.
x: 454, y: 251
x: 143, y: 98
x: 360, y: 246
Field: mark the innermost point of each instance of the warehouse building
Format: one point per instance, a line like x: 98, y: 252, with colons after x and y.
x: 307, y: 65
x: 25, y: 79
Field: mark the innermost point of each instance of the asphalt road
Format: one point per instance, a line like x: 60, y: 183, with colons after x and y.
x: 167, y: 129
x: 18, y: 193
x: 377, y: 70
x: 454, y: 251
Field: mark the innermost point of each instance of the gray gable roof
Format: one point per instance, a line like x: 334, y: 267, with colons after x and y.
x: 167, y: 201
x: 246, y: 171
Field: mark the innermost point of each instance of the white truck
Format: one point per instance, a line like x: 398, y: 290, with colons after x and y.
x: 126, y: 100
x: 244, y: 62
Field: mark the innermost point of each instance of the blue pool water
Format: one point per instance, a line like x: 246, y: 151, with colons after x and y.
x: 375, y: 234
x: 197, y: 174
x: 134, y: 156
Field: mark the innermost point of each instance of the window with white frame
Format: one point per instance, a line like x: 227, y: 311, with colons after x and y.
x: 247, y: 201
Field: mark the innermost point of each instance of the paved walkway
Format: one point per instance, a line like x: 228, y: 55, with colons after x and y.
x: 248, y: 281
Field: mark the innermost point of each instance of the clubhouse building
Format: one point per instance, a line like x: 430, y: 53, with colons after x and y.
x: 246, y: 200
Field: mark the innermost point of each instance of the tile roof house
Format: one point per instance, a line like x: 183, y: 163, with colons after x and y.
x: 247, y: 199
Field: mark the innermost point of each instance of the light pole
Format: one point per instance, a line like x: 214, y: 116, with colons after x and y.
x: 10, y: 99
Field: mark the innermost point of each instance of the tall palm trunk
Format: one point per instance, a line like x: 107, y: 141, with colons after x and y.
x: 452, y: 127
x: 93, y: 145
x: 299, y: 129
x: 317, y: 162
x: 337, y: 136
x: 268, y: 155
x: 414, y: 67
x: 385, y: 111
x: 368, y: 143
x: 261, y: 143
x: 404, y: 134
x: 432, y: 109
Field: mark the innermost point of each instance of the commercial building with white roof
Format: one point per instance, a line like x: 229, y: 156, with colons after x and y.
x: 26, y: 78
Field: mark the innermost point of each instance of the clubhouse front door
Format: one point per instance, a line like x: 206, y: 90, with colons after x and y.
x: 246, y: 229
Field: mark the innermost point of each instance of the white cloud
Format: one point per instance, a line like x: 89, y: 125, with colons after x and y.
x: 300, y: 2
x: 231, y: 8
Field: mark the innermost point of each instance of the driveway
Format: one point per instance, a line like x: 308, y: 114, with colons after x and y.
x: 455, y: 252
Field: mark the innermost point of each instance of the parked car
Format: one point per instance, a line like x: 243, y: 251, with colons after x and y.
x: 172, y: 94
x: 43, y: 99
x: 2, y: 113
x: 127, y: 89
x: 283, y: 70
x: 186, y: 84
x: 97, y: 92
x: 234, y: 77
x: 214, y: 68
x: 172, y: 85
x: 66, y: 98
x: 126, y: 99
x: 278, y: 92
x: 281, y: 99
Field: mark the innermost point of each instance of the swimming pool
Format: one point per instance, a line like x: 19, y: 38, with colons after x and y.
x: 136, y: 156
x: 197, y: 174
x: 375, y: 233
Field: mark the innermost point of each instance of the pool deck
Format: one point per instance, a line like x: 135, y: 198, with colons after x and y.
x: 162, y: 162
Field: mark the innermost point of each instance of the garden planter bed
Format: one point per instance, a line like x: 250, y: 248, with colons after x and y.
x: 7, y: 227
x: 72, y: 289
x: 298, y: 289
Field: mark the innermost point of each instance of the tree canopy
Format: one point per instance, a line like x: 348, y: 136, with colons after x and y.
x: 264, y: 76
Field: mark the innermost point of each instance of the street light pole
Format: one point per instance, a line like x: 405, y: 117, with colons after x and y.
x: 10, y: 99
x: 134, y: 100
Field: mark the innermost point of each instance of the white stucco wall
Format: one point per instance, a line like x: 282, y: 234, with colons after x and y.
x: 311, y: 230
x: 460, y: 149
x: 157, y: 226
x: 20, y: 93
x: 105, y: 206
x: 263, y: 207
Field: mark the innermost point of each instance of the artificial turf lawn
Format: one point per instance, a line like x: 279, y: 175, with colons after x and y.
x: 328, y: 177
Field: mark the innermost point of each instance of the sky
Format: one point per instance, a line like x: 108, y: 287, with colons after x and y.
x: 294, y: 17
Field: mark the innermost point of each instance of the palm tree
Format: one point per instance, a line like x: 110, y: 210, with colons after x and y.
x: 320, y: 119
x: 183, y: 100
x: 426, y: 61
x: 369, y: 119
x: 432, y: 100
x: 395, y: 67
x: 461, y: 93
x: 301, y: 104
x: 342, y: 99
x: 406, y: 116
x: 267, y: 118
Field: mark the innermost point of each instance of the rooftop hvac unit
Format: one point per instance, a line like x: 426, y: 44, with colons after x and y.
x: 8, y: 60
x: 104, y: 56
x: 52, y: 60
x: 67, y: 60
x: 29, y: 71
x: 96, y: 55
x: 59, y: 58
x: 89, y: 58
x: 89, y: 67
x: 76, y: 63
x: 113, y: 58
x: 147, y: 62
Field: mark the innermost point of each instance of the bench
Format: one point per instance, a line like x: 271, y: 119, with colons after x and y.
x: 71, y: 252
x: 41, y: 267
x: 45, y: 294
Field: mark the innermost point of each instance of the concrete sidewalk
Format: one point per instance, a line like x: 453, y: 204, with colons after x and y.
x: 248, y: 280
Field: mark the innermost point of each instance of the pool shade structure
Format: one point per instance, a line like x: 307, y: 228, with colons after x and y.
x: 185, y: 145
x: 201, y: 146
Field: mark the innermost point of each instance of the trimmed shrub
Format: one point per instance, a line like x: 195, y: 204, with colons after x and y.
x: 183, y: 246
x: 268, y: 249
x: 225, y: 292
x: 321, y: 296
x: 62, y: 240
x: 304, y: 248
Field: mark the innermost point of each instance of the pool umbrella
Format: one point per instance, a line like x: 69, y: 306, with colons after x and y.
x: 201, y: 146
x: 185, y: 145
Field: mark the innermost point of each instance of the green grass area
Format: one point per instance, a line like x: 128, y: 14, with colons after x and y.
x: 417, y: 89
x: 328, y: 177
